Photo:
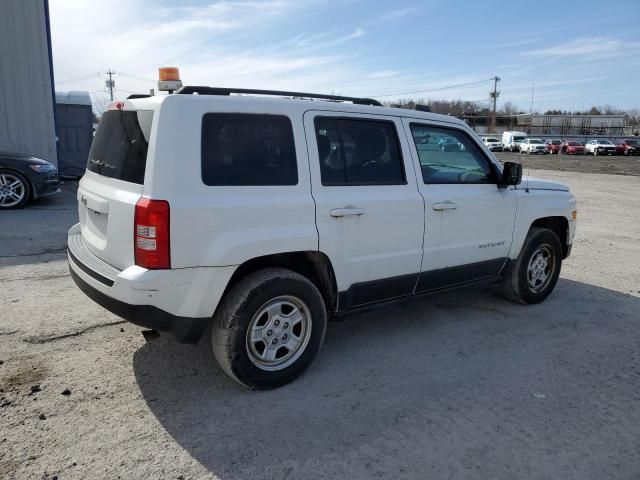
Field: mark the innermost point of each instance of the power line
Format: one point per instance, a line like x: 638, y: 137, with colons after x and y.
x: 135, y: 77
x: 80, y: 78
x: 448, y: 87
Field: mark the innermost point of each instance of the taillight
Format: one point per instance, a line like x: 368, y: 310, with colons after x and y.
x: 151, y: 234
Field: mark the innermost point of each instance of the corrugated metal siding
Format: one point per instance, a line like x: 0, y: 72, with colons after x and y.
x: 26, y: 99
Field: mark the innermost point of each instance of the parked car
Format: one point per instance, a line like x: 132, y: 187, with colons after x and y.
x: 283, y: 212
x: 511, y: 140
x: 448, y: 144
x: 24, y: 178
x: 493, y: 144
x: 553, y: 146
x: 533, y: 145
x: 572, y: 148
x: 600, y: 147
x: 628, y: 146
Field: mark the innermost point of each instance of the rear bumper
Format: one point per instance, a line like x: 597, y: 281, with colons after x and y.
x: 182, y: 329
x: 177, y: 302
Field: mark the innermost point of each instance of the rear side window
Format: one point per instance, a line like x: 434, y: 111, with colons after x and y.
x: 248, y: 149
x: 119, y: 148
x: 358, y: 152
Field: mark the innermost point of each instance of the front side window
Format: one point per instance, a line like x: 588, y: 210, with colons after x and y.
x: 241, y: 149
x: 449, y: 155
x: 358, y: 152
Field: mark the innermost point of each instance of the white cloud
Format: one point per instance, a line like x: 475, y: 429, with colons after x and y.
x: 396, y: 14
x: 383, y: 74
x: 586, y: 47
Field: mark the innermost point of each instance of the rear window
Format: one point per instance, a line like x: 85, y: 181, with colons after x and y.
x: 248, y: 149
x: 119, y: 148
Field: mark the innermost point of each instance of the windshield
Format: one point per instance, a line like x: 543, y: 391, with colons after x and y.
x: 535, y: 140
x: 119, y: 148
x: 605, y: 142
x: 518, y: 139
x: 491, y: 140
x: 574, y: 144
x: 556, y: 142
x: 631, y: 142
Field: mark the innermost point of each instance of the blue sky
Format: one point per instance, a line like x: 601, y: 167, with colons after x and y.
x: 578, y: 54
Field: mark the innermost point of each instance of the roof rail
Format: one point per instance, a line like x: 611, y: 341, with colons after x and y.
x: 133, y: 96
x: 190, y: 90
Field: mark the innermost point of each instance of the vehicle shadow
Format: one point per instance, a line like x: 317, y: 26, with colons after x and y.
x: 440, y: 384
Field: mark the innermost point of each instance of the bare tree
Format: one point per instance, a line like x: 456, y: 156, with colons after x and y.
x: 509, y: 108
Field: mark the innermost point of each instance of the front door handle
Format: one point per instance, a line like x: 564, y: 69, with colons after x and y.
x: 346, y: 211
x: 446, y: 205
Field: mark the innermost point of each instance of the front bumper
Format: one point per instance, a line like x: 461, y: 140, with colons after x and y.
x: 45, y: 184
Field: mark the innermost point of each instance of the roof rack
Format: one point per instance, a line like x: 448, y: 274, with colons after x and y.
x: 190, y: 90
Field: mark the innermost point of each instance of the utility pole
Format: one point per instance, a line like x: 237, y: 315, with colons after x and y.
x: 110, y: 83
x: 533, y: 86
x: 494, y: 96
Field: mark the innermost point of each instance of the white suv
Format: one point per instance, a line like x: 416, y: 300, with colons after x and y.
x: 252, y: 219
x: 533, y: 145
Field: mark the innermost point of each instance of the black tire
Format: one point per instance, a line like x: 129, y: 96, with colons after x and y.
x: 26, y: 186
x: 234, y: 316
x: 516, y: 284
x: 595, y: 152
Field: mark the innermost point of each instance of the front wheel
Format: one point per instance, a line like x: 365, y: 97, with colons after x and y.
x: 14, y: 190
x: 269, y: 328
x: 533, y: 275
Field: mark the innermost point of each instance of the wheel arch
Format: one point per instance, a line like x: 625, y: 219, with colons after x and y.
x: 314, y: 265
x: 557, y: 224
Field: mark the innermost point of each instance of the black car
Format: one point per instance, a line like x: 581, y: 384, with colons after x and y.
x: 24, y: 178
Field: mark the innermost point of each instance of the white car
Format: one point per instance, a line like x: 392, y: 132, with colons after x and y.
x: 533, y: 145
x: 250, y: 220
x: 600, y: 147
x: 493, y: 144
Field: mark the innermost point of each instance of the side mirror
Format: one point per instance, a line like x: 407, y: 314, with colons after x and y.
x: 511, y: 174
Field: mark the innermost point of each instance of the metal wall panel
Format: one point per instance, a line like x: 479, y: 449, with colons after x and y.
x: 26, y: 95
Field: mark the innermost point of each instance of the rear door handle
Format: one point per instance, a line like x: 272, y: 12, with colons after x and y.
x: 446, y: 205
x: 347, y: 211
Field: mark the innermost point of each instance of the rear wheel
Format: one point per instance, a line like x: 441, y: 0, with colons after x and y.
x: 14, y: 189
x: 269, y: 328
x: 533, y: 275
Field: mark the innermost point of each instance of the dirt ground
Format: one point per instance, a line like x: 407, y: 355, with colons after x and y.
x: 461, y: 385
x: 609, y: 164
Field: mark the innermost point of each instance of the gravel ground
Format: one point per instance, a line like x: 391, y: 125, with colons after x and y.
x: 460, y: 385
x: 609, y: 164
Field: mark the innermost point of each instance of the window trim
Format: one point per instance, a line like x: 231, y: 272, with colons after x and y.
x: 361, y: 119
x: 495, y: 174
x: 253, y: 114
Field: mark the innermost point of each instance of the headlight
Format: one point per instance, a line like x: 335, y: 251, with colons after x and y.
x: 42, y: 167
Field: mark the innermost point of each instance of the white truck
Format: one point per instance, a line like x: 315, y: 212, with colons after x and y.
x: 250, y: 220
x: 511, y: 140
